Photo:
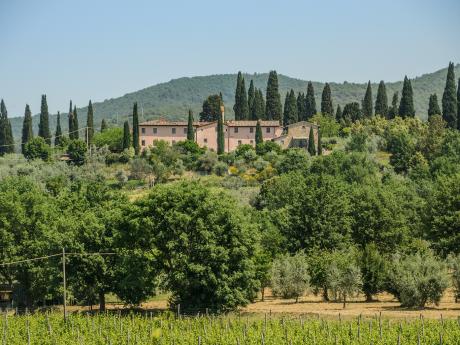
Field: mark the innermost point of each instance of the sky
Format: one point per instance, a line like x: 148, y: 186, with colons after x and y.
x: 100, y: 49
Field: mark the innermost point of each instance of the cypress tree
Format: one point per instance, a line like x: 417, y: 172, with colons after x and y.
x: 311, y: 142
x: 103, y: 125
x: 393, y: 111
x: 433, y: 106
x: 273, y: 107
x: 43, y: 126
x: 75, y: 126
x: 351, y: 113
x: 126, y: 136
x: 190, y: 129
x: 251, y: 98
x: 58, y: 135
x: 367, y: 101
x: 240, y: 107
x: 136, y: 129
x: 326, y: 101
x: 301, y: 107
x: 220, y: 135
x: 27, y: 129
x: 259, y: 137
x: 258, y: 107
x: 458, y: 104
x: 71, y: 122
x: 6, y: 133
x: 381, y: 103
x: 338, y: 114
x: 449, y: 99
x: 90, y: 124
x: 290, y: 109
x: 310, y: 102
x: 320, y: 144
x: 211, y: 108
x: 406, y: 107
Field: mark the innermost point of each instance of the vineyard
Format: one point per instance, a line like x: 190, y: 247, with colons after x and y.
x: 116, y: 329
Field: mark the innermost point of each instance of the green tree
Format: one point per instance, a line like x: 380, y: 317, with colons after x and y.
x: 367, y: 102
x: 310, y: 102
x: 381, y: 103
x: 241, y: 107
x: 251, y: 98
x: 351, y: 113
x: 338, y: 114
x: 190, y: 128
x: 311, y: 142
x: 258, y: 108
x: 77, y: 151
x: 273, y: 108
x: 103, y: 125
x: 58, y: 140
x: 454, y: 265
x: 301, y: 107
x: 458, y: 104
x: 433, y: 106
x: 90, y: 124
x: 289, y: 276
x: 406, y: 107
x: 202, y: 241
x: 71, y: 122
x: 112, y: 137
x: 126, y: 136
x: 37, y: 148
x: 43, y: 126
x: 393, y: 110
x: 75, y: 126
x: 27, y: 131
x: 373, y: 271
x: 220, y: 135
x: 6, y: 133
x: 211, y: 108
x: 320, y: 144
x: 449, y: 99
x: 259, y: 136
x: 326, y: 101
x: 136, y: 129
x: 290, y: 109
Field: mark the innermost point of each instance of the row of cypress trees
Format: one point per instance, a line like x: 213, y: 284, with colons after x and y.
x: 129, y: 140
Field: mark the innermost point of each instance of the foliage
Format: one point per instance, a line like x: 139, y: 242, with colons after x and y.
x: 112, y: 137
x: 77, y: 151
x: 449, y: 99
x: 328, y: 125
x: 37, y: 148
x: 373, y: 270
x: 211, y: 108
x: 273, y: 106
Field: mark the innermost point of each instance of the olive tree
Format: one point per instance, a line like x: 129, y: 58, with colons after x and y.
x: 289, y: 276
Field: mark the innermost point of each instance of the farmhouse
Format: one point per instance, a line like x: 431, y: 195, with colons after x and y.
x: 236, y: 133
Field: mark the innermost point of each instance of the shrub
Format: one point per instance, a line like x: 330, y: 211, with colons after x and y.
x: 112, y: 137
x: 289, y: 276
x: 242, y: 149
x: 77, y: 151
x: 418, y: 279
x: 220, y: 169
x: 267, y: 146
x: 294, y: 159
x: 121, y: 177
x: 454, y: 265
x: 139, y: 169
x: 37, y: 148
x: 207, y: 161
x: 260, y: 164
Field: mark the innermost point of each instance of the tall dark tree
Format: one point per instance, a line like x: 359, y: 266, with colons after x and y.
x: 381, y: 103
x: 241, y: 107
x: 393, y: 111
x: 27, y: 129
x: 251, y: 97
x: 58, y: 134
x: 126, y: 136
x: 290, y: 109
x: 320, y: 144
x: 71, y: 122
x: 190, y: 129
x: 44, y: 126
x: 211, y: 108
x: 103, y: 125
x: 75, y: 125
x: 136, y: 129
x: 310, y: 102
x: 273, y: 108
x: 367, y: 102
x: 433, y: 106
x: 220, y: 135
x: 326, y: 101
x: 449, y: 99
x: 259, y: 137
x: 458, y: 104
x: 406, y: 107
x: 311, y: 142
x: 90, y: 124
x: 258, y: 107
x: 338, y: 113
x: 6, y: 133
x: 301, y: 107
x: 351, y: 113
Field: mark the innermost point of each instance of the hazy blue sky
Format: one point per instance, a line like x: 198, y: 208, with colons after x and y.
x: 95, y: 49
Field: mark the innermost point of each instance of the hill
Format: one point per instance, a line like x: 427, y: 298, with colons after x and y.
x: 172, y: 99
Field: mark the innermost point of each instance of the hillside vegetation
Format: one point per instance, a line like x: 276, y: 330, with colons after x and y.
x: 172, y: 99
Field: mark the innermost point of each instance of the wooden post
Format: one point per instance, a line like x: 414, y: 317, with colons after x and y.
x: 64, y: 284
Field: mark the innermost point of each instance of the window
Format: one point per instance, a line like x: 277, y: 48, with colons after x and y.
x: 235, y: 130
x: 185, y: 130
x: 143, y: 142
x: 239, y: 142
x: 143, y: 130
x: 251, y: 129
x: 173, y: 130
x: 205, y: 140
x: 154, y: 131
x: 268, y: 130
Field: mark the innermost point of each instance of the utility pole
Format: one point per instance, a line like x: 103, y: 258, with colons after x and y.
x: 64, y: 282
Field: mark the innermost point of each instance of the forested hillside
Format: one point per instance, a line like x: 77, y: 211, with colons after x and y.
x: 172, y: 99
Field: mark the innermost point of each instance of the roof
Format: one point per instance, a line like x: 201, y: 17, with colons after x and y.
x: 233, y: 123
x: 173, y: 123
x: 303, y: 123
